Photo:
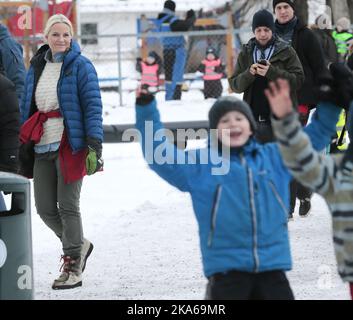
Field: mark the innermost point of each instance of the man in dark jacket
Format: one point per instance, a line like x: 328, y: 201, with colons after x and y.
x: 9, y: 126
x: 9, y: 129
x: 265, y: 58
x: 11, y: 60
x: 174, y: 53
x: 303, y: 40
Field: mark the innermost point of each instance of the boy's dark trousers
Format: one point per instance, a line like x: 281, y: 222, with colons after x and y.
x: 237, y: 285
x: 298, y: 191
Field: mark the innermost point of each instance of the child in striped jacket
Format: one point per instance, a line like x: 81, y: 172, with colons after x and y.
x: 330, y: 176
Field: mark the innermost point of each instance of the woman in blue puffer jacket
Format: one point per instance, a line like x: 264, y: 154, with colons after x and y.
x: 61, y: 140
x: 240, y: 195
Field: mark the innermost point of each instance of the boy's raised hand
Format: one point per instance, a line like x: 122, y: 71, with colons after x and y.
x: 278, y: 95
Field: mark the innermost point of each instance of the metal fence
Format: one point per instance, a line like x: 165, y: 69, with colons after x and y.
x: 117, y: 59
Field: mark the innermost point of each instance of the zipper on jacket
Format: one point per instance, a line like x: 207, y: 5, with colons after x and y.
x: 253, y: 211
x: 214, y: 214
x: 254, y: 220
x: 278, y: 197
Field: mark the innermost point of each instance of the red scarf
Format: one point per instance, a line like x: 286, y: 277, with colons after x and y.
x: 32, y: 129
x: 73, y: 165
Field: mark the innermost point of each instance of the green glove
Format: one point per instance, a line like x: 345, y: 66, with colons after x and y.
x: 93, y: 163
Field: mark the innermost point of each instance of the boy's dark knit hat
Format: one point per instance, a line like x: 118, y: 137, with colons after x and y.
x: 263, y: 18
x: 169, y: 4
x: 290, y: 2
x: 227, y: 104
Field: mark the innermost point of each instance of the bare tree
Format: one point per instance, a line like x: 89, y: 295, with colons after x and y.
x: 244, y: 11
x: 339, y: 8
x: 302, y: 10
x: 350, y: 6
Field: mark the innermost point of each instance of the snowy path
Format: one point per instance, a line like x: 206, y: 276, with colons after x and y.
x: 146, y: 243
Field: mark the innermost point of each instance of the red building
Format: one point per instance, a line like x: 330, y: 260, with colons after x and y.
x: 34, y: 18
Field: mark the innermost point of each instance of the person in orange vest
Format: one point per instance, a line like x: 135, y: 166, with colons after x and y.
x: 213, y: 71
x: 150, y: 69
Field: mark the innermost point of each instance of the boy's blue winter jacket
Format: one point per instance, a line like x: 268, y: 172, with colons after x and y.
x: 242, y: 215
x: 78, y: 94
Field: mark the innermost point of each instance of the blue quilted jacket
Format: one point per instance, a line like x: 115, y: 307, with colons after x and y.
x: 78, y: 95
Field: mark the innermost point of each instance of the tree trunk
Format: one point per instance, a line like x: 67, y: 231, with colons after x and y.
x: 350, y: 5
x: 339, y: 9
x: 244, y: 11
x: 302, y: 10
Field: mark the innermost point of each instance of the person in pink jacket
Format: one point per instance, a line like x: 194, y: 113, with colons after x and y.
x: 150, y: 69
x: 213, y: 71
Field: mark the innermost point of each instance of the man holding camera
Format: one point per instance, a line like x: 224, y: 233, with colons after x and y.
x: 263, y: 59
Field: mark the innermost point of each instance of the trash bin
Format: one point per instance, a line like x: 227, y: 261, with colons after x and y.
x: 16, y: 262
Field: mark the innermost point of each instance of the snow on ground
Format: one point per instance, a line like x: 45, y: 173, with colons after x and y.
x: 143, y: 230
x: 146, y: 240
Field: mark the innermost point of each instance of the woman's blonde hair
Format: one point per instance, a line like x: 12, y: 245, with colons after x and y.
x: 57, y: 18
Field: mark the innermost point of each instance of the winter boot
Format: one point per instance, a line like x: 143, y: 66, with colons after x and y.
x: 86, y: 251
x: 177, y: 92
x: 71, y: 276
x: 305, y: 206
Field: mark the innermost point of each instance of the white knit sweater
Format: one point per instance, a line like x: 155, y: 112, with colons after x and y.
x: 47, y: 100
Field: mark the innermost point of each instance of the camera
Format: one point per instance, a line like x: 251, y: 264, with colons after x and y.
x: 263, y: 62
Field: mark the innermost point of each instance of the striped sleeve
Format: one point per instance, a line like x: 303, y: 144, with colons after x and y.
x: 305, y: 164
x: 330, y: 177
